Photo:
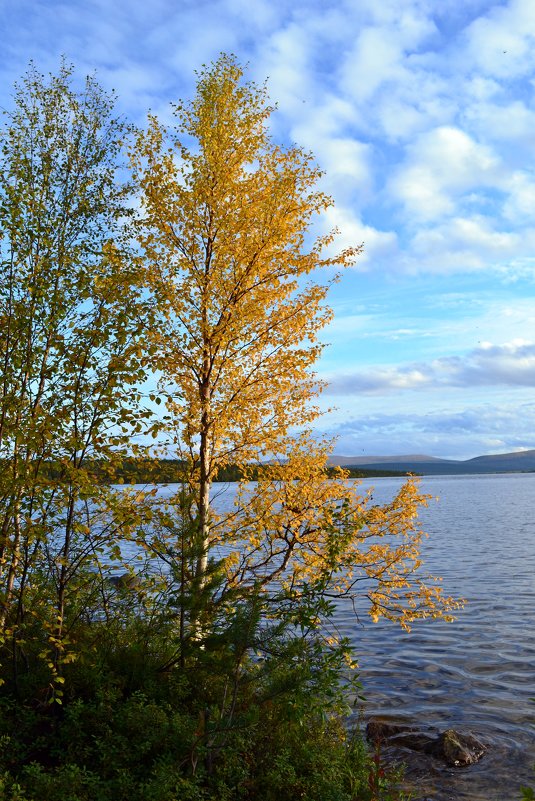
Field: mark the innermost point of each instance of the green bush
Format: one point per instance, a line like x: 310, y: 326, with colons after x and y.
x: 253, y: 711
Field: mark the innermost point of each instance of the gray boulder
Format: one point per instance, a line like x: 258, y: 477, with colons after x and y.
x: 457, y: 749
x: 453, y: 747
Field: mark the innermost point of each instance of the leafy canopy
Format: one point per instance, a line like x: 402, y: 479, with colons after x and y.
x: 226, y: 234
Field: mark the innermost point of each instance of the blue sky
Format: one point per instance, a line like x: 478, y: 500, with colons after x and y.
x: 422, y: 113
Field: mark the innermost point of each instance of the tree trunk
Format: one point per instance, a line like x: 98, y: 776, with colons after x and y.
x: 204, y: 495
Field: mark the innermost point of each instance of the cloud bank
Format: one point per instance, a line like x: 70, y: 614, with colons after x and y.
x: 511, y: 365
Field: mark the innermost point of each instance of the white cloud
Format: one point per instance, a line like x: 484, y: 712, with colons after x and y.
x: 501, y: 43
x: 347, y: 166
x: 511, y: 364
x: 260, y: 15
x: 465, y: 243
x: 520, y: 205
x: 345, y: 161
x: 285, y: 60
x: 378, y: 245
x: 441, y: 166
x: 376, y: 59
x: 506, y: 121
x: 381, y: 49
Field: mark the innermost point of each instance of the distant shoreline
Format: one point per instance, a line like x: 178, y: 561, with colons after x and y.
x: 516, y: 462
x: 132, y: 470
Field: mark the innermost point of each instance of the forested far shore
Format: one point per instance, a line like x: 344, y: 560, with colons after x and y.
x: 174, y: 471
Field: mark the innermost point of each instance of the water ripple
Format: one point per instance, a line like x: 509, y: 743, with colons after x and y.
x: 478, y: 673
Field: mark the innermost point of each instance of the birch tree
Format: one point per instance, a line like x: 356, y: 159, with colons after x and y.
x: 70, y: 333
x: 227, y: 235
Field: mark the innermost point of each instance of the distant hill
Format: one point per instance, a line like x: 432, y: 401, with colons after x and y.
x: 358, y: 460
x: 520, y: 461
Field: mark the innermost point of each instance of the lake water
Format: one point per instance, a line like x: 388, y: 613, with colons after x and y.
x: 476, y: 674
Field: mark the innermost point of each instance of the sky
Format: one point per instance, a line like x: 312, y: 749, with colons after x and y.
x: 422, y: 114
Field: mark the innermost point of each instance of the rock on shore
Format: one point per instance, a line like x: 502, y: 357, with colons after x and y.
x: 455, y: 748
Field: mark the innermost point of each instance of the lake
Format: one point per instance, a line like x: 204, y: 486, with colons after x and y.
x: 476, y: 674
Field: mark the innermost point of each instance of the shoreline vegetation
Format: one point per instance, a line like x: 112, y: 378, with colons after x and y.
x: 207, y: 667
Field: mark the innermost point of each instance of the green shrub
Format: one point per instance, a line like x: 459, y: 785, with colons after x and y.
x: 251, y: 712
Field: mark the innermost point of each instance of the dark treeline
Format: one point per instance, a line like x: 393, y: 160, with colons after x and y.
x: 148, y: 470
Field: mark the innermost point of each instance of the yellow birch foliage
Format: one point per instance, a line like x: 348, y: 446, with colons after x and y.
x: 225, y: 226
x: 226, y: 236
x: 299, y: 526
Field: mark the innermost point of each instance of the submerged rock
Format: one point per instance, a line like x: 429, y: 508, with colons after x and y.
x: 453, y: 747
x: 378, y: 729
x: 401, y: 734
x: 457, y: 749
